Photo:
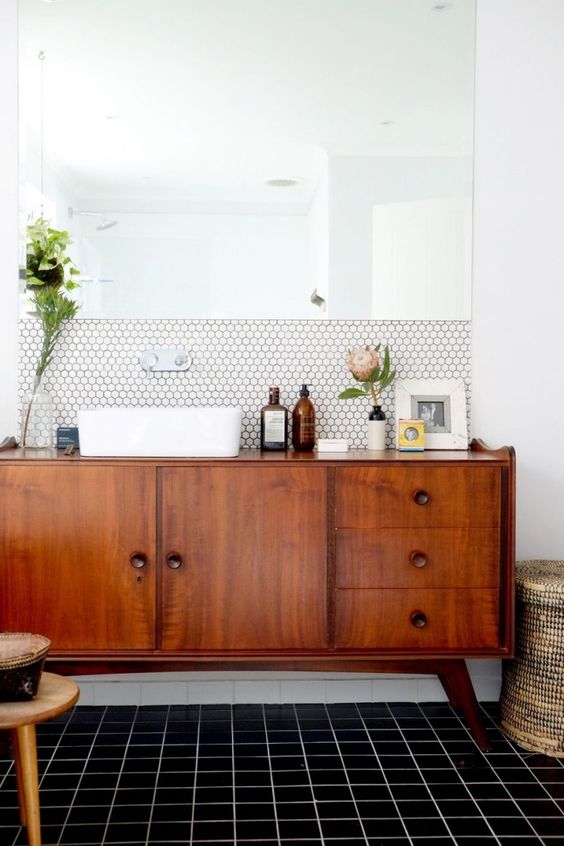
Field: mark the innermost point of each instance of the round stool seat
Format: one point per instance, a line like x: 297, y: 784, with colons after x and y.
x: 532, y: 693
x: 55, y: 695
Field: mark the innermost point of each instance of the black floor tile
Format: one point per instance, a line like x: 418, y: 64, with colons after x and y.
x: 548, y: 826
x: 173, y: 812
x: 256, y: 830
x: 214, y: 813
x: 337, y: 810
x: 384, y: 828
x: 468, y: 826
x: 255, y: 811
x: 165, y: 832
x: 126, y: 833
x: 207, y: 830
x: 298, y: 828
x: 294, y: 811
x: 348, y: 828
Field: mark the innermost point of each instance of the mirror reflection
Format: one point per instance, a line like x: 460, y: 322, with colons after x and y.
x: 254, y: 158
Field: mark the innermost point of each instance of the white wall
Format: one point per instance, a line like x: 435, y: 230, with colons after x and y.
x: 518, y: 305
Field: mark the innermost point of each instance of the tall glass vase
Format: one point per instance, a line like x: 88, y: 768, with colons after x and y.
x: 37, y: 419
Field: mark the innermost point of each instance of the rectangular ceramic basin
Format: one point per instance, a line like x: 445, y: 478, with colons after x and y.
x: 160, y: 432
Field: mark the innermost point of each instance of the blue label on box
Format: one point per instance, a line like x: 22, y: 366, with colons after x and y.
x: 67, y: 436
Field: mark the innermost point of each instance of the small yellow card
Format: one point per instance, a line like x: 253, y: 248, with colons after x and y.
x: 411, y: 435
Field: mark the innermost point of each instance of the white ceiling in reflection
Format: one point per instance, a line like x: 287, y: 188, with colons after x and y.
x: 178, y: 102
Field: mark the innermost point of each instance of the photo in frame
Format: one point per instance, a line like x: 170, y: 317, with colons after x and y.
x: 441, y: 404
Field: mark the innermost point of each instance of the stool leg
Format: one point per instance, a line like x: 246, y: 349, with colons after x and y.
x: 26, y: 761
x: 21, y: 797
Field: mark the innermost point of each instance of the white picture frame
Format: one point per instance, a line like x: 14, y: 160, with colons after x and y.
x: 441, y: 403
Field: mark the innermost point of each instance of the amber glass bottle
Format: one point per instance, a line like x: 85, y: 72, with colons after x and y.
x: 274, y: 423
x: 303, y: 422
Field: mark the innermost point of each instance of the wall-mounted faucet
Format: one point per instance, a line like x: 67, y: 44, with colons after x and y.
x: 172, y: 359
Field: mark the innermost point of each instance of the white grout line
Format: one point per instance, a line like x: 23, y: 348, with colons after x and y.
x: 271, y: 776
x: 157, y: 773
x: 195, y: 774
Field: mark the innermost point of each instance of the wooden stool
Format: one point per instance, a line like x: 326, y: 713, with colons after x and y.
x: 56, y: 694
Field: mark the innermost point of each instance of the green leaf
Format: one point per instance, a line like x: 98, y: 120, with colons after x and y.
x: 46, y: 264
x: 352, y: 393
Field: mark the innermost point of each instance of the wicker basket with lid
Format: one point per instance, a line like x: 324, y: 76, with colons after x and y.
x: 532, y: 693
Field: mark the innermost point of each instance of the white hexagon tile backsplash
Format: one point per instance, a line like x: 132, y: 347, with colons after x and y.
x: 96, y: 364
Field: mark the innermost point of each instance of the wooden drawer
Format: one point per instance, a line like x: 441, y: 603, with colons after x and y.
x: 454, y: 620
x: 379, y: 497
x: 421, y: 558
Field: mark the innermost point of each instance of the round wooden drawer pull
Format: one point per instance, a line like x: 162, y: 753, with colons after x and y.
x: 174, y: 561
x: 418, y: 619
x: 138, y: 560
x: 421, y: 497
x: 418, y: 558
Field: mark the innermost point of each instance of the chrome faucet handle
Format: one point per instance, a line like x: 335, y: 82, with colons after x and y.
x: 182, y: 359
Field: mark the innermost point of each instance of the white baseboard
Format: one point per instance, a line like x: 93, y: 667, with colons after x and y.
x: 277, y: 687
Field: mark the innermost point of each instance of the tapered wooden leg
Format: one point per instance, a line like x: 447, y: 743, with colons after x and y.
x: 25, y: 752
x: 458, y: 687
x: 21, y: 797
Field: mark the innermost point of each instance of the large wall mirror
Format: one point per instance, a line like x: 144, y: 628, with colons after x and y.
x: 254, y: 158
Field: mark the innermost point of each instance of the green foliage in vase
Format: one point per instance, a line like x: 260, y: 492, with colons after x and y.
x: 48, y: 282
x: 52, y: 308
x: 46, y: 260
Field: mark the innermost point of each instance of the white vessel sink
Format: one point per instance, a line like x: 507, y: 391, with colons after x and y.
x: 160, y: 432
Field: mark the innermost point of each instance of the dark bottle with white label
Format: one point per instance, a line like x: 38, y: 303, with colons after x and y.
x: 274, y: 423
x: 303, y: 423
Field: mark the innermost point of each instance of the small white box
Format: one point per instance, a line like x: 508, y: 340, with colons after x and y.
x: 332, y: 445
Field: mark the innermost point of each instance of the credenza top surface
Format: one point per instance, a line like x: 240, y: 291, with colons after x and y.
x: 256, y: 457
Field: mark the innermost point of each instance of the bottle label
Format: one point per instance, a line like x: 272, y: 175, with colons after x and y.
x: 274, y: 426
x: 308, y: 427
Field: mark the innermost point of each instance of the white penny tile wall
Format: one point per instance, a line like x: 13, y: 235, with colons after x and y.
x: 234, y: 363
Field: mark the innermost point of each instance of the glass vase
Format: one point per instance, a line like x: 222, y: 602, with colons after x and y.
x: 376, y: 428
x: 37, y: 419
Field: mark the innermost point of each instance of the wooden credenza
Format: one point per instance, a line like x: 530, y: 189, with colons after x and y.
x: 372, y: 562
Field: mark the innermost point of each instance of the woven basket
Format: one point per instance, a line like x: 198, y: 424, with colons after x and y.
x: 532, y: 693
x: 22, y: 656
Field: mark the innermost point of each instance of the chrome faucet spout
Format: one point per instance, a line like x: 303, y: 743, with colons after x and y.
x: 149, y: 361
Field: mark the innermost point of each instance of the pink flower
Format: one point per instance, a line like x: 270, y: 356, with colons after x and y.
x: 361, y: 361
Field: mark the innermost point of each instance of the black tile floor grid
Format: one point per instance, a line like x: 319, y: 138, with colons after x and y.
x: 369, y: 774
